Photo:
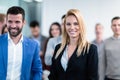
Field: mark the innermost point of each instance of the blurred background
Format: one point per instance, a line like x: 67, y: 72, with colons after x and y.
x: 48, y: 11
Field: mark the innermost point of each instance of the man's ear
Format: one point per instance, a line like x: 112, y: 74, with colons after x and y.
x: 24, y: 22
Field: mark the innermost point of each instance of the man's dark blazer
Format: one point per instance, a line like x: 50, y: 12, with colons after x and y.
x: 84, y: 67
x: 43, y: 42
x: 31, y: 62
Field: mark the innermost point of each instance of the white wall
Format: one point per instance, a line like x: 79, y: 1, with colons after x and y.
x: 93, y: 11
x: 5, y: 4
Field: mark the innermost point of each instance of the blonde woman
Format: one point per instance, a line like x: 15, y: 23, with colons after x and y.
x: 75, y: 58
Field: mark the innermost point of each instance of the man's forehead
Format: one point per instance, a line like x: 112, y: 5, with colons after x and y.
x: 118, y: 20
x: 14, y: 17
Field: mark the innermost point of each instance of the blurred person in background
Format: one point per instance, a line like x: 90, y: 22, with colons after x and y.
x: 37, y: 36
x: 52, y: 42
x: 75, y: 58
x: 2, y: 21
x: 4, y: 29
x: 54, y: 31
x: 111, y: 52
x: 99, y: 42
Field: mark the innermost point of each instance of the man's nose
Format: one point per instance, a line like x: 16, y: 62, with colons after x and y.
x: 13, y: 25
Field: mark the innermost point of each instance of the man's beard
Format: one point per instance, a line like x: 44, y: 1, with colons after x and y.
x: 14, y: 33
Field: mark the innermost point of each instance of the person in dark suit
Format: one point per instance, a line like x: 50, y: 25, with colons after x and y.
x: 36, y: 35
x: 19, y: 56
x: 40, y: 39
x: 75, y: 58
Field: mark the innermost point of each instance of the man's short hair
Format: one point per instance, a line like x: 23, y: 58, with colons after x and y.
x: 34, y: 24
x: 115, y: 18
x: 97, y: 24
x: 16, y: 10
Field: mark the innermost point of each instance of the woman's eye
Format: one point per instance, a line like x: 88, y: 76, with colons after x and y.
x: 75, y: 23
x: 68, y: 24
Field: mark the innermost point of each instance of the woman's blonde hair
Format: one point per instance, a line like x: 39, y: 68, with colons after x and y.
x: 83, y: 44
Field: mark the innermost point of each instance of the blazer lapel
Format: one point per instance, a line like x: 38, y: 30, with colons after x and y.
x: 59, y: 59
x: 25, y: 45
x: 72, y: 58
x: 5, y: 51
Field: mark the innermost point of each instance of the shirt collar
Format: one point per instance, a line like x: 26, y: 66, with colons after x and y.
x: 115, y: 38
x: 95, y: 41
x: 38, y: 38
x: 9, y: 38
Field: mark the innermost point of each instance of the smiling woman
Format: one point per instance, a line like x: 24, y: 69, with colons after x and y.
x: 72, y: 27
x: 75, y: 58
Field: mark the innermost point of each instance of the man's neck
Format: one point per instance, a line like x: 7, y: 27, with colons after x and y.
x: 99, y: 40
x: 117, y: 36
x: 37, y: 36
x: 16, y: 39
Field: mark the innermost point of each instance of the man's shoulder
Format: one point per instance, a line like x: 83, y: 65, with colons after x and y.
x: 43, y: 37
x: 108, y: 40
x: 30, y: 41
x: 4, y: 36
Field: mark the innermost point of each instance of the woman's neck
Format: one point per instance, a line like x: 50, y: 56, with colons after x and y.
x: 73, y: 41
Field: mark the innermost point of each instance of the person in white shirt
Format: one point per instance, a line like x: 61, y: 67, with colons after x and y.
x: 19, y: 56
x: 52, y: 42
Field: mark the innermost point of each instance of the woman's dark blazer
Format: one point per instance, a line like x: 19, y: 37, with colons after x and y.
x: 83, y: 67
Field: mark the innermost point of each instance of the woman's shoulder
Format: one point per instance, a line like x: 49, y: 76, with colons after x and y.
x: 58, y: 45
x: 92, y: 49
x: 93, y: 46
x: 56, y: 49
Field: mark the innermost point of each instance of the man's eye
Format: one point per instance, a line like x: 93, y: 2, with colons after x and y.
x: 9, y: 21
x: 17, y: 21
